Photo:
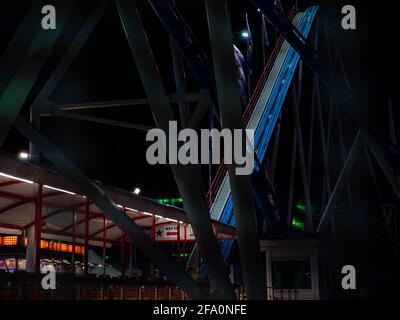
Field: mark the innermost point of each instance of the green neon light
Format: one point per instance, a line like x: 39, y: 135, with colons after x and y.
x: 171, y: 200
x: 298, y: 224
x: 180, y: 255
x: 301, y: 206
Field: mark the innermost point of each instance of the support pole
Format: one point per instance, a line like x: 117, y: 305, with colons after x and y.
x: 73, y: 239
x: 153, y: 228
x: 38, y: 225
x: 292, y: 178
x: 300, y: 149
x: 130, y: 256
x: 153, y: 237
x: 104, y: 244
x: 123, y: 254
x: 178, y: 243
x: 230, y: 108
x: 180, y: 80
x: 86, y: 272
x: 23, y: 60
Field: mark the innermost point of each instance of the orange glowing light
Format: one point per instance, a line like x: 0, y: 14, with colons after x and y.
x: 8, y: 241
x: 54, y: 246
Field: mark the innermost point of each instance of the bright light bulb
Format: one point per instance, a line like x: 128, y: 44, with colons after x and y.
x: 245, y: 34
x: 136, y: 191
x: 23, y: 155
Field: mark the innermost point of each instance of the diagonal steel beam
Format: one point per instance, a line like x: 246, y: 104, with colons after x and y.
x: 351, y: 157
x: 70, y: 55
x: 180, y: 79
x: 231, y: 116
x: 41, y: 102
x: 310, y: 56
x: 104, y: 203
x: 201, y: 109
x: 188, y: 177
x: 185, y: 40
x: 25, y: 68
x: 383, y: 163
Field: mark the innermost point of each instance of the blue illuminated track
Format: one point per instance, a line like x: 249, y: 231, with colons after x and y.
x: 264, y: 120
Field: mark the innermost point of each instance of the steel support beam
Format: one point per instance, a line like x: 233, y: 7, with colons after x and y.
x: 20, y: 71
x: 185, y: 40
x: 201, y: 109
x: 41, y: 103
x: 69, y: 56
x: 180, y: 80
x: 38, y: 225
x: 109, y: 122
x: 300, y: 151
x: 188, y: 97
x: 317, y: 65
x: 73, y: 239
x: 86, y: 256
x: 334, y: 198
x: 104, y: 203
x: 96, y: 105
x: 104, y: 244
x: 231, y: 116
x: 188, y: 178
x: 381, y: 159
x: 122, y: 258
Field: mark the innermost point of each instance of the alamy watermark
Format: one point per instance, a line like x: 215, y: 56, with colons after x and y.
x: 49, y: 20
x: 349, y: 280
x: 49, y: 280
x: 237, y: 147
x: 349, y: 18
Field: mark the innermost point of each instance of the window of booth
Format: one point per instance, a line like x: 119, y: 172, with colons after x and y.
x: 293, y: 274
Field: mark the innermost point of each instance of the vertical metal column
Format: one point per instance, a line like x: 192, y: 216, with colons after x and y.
x: 153, y: 237
x: 130, y: 256
x: 38, y: 225
x: 73, y: 239
x: 300, y: 149
x: 123, y: 254
x: 87, y: 205
x: 180, y: 80
x: 292, y: 177
x: 178, y: 238
x: 104, y: 244
x: 229, y: 102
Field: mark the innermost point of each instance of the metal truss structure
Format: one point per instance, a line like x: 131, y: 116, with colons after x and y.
x: 28, y: 51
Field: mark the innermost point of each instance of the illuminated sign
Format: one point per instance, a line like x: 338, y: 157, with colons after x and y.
x: 8, y: 241
x: 169, y: 232
x: 172, y: 201
x: 58, y: 246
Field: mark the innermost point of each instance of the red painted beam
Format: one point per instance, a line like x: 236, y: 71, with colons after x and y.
x: 9, y: 183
